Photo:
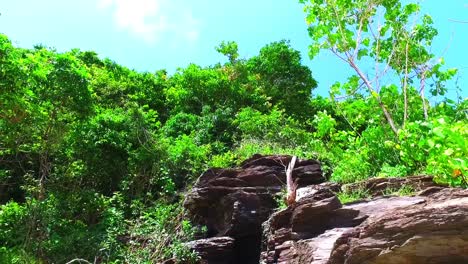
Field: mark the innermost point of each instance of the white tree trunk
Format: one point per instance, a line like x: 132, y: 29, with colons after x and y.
x: 290, y: 184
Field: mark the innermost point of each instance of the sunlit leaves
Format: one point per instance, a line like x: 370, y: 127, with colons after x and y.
x: 324, y: 124
x: 229, y: 49
x: 283, y: 79
x: 439, y: 145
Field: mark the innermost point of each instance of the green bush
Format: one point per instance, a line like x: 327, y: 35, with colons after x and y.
x: 13, y: 225
x: 352, y: 167
x: 438, y: 147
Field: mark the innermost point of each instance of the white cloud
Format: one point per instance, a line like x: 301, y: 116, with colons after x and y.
x: 153, y: 20
x: 192, y: 33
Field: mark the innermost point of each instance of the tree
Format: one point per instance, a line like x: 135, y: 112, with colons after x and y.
x: 394, y: 38
x: 282, y: 78
x: 229, y: 49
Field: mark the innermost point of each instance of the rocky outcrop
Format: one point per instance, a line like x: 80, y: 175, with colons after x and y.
x: 434, y: 230
x: 235, y: 202
x: 238, y: 208
x: 431, y: 227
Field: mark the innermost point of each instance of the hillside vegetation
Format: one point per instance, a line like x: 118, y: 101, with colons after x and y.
x: 95, y: 157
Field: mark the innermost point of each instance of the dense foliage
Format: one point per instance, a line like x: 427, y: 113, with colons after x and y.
x: 94, y: 157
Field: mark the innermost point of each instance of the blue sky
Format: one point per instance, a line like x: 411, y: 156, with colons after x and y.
x: 148, y: 35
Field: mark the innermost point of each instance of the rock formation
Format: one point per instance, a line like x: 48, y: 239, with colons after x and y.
x: 238, y: 208
x: 235, y: 202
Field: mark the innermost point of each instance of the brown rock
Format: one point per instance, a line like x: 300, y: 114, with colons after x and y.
x: 238, y: 204
x: 429, y: 228
x: 435, y: 231
x: 287, y: 231
x: 235, y: 202
x: 216, y: 250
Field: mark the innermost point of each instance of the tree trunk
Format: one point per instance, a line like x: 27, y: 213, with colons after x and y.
x: 290, y: 184
x: 387, y: 114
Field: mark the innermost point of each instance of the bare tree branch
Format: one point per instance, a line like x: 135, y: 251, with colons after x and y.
x: 291, y: 185
x: 422, y: 87
x: 405, y: 86
x: 79, y: 261
x: 387, y: 114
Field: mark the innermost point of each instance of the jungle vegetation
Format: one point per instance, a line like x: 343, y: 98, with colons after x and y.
x: 95, y: 157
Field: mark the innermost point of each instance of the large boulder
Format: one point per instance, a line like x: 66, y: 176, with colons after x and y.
x: 432, y: 231
x: 431, y: 227
x: 235, y: 202
x: 215, y: 250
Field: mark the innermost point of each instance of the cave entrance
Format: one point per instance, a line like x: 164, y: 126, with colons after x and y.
x: 247, y: 249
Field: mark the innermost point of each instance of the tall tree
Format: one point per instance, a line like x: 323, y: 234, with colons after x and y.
x: 380, y: 40
x: 282, y: 78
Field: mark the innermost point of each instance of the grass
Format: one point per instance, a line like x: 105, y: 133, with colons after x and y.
x: 360, y: 194
x: 404, y: 190
x: 352, y: 196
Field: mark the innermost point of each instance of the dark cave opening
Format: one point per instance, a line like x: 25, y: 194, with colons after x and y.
x: 247, y: 249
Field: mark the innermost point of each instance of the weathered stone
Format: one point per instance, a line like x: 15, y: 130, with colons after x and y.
x: 311, y: 190
x: 235, y: 202
x: 273, y: 168
x: 215, y: 250
x: 225, y: 199
x: 238, y: 204
x: 313, y: 218
x: 308, y: 218
x: 421, y: 229
x: 433, y: 231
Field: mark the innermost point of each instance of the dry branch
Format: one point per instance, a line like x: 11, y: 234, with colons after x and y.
x: 290, y: 184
